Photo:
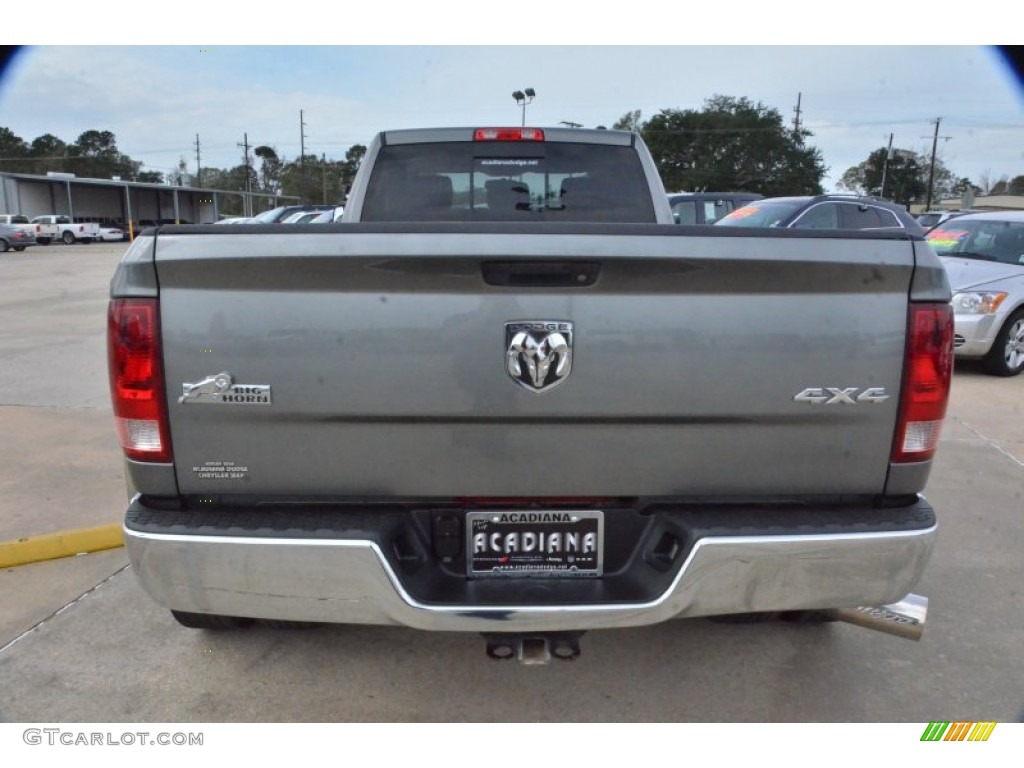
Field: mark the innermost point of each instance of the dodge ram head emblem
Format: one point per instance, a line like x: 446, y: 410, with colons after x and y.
x: 538, y: 353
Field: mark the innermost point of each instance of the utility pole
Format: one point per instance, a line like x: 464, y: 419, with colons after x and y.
x: 323, y: 165
x: 199, y: 167
x: 796, y: 120
x: 885, y: 167
x: 302, y: 157
x: 247, y: 202
x: 931, y: 170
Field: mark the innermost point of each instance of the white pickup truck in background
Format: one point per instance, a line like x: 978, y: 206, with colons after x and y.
x: 54, y: 226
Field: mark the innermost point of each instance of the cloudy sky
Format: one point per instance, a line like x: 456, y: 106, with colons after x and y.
x: 157, y: 98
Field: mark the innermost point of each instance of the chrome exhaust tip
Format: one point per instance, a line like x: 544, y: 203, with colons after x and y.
x: 904, y: 618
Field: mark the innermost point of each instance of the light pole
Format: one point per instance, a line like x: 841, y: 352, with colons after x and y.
x: 523, y: 98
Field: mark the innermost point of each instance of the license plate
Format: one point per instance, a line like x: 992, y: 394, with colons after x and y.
x: 535, y: 543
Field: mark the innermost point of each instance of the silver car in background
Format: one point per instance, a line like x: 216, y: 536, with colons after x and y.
x: 983, y: 254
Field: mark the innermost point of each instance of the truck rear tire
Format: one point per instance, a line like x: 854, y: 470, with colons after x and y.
x: 68, y: 238
x: 4, y: 245
x: 43, y: 240
x: 1006, y: 358
x: 209, y: 620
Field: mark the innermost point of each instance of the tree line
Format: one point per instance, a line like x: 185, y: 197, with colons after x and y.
x: 735, y: 145
x: 95, y: 155
x: 729, y: 145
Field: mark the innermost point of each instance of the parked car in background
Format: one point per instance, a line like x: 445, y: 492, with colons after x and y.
x: 930, y: 219
x: 822, y: 212
x: 15, y: 238
x: 983, y: 254
x: 112, y: 234
x: 234, y: 220
x: 701, y: 208
x: 279, y: 214
x: 18, y: 221
x: 327, y: 217
x: 302, y: 217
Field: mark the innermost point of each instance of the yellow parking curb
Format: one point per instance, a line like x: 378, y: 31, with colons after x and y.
x: 50, y: 546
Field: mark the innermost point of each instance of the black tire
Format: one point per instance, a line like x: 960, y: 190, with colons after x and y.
x: 43, y: 241
x: 1006, y: 358
x: 209, y: 620
x: 68, y: 237
x: 19, y: 247
x: 4, y: 245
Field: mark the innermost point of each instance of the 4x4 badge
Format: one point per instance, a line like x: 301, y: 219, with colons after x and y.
x: 538, y: 353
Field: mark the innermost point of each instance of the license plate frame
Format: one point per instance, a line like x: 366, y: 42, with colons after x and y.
x: 547, y: 543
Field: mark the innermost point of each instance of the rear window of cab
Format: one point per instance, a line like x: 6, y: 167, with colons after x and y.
x: 508, y: 181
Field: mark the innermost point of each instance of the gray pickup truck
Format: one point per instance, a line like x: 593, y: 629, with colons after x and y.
x: 507, y: 395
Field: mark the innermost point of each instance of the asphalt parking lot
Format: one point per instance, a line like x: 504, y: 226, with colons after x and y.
x: 80, y: 642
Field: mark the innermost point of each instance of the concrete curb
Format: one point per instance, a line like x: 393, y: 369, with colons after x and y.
x: 50, y: 546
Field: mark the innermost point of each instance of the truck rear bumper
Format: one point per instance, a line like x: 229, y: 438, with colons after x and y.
x: 361, y: 579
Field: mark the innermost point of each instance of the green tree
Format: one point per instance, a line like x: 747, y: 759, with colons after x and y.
x: 95, y: 155
x: 180, y: 172
x: 906, y: 177
x: 326, y: 181
x: 48, y: 153
x: 628, y: 122
x: 962, y: 185
x: 150, y: 177
x: 227, y: 180
x: 1000, y: 187
x: 13, y: 152
x: 1016, y: 186
x: 353, y: 160
x: 733, y: 144
x: 317, y: 180
x: 270, y: 169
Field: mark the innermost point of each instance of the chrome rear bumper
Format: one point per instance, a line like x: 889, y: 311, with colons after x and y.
x: 351, y: 581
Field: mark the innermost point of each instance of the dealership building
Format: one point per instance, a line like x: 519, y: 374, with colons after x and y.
x: 122, y: 201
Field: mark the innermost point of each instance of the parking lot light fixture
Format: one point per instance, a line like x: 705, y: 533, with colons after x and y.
x: 523, y: 98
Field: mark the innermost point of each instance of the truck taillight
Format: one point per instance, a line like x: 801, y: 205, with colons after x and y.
x: 136, y: 379
x: 929, y: 371
x: 508, y: 134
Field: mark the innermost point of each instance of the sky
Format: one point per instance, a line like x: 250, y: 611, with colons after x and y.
x: 156, y: 99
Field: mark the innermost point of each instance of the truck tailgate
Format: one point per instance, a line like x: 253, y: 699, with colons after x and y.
x: 701, y: 363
